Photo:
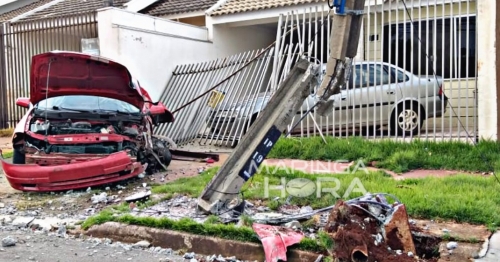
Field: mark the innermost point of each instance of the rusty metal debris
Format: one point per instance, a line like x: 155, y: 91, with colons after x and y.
x: 370, y: 228
x: 360, y: 253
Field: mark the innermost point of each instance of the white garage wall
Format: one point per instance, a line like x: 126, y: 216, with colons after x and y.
x: 151, y: 47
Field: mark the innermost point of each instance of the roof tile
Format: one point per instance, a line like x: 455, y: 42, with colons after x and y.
x: 170, y: 7
x: 240, y: 6
x: 17, y: 12
x: 69, y: 7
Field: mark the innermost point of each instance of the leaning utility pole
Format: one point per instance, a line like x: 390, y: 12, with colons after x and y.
x: 222, y: 193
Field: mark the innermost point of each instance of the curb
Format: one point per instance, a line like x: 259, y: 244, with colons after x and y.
x: 192, y: 243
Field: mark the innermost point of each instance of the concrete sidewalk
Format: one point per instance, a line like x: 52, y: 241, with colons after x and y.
x: 493, y: 253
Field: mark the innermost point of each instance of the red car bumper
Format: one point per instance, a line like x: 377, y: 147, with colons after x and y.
x: 32, y: 177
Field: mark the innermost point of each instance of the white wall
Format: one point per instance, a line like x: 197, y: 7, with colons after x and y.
x: 232, y: 40
x: 152, y: 47
x: 486, y: 75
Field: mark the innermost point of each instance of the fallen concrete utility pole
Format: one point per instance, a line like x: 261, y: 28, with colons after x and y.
x: 222, y: 193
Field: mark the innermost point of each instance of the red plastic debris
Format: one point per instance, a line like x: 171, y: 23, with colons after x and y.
x: 276, y: 240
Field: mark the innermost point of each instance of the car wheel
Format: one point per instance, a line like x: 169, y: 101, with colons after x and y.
x: 18, y: 157
x: 165, y: 156
x: 407, y: 120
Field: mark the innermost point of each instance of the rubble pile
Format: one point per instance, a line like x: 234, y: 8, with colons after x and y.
x: 371, y: 229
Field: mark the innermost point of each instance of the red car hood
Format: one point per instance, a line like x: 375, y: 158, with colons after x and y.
x: 69, y: 73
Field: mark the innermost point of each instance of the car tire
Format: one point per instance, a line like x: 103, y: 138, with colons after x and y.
x: 166, y: 156
x: 406, y: 119
x: 18, y: 157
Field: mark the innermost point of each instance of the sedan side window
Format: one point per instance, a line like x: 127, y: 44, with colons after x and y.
x: 399, y: 75
x: 368, y: 75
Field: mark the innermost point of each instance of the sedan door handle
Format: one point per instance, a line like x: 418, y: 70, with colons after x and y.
x: 343, y: 98
x: 390, y: 92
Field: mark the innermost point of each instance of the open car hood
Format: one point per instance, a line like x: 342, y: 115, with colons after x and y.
x: 70, y: 73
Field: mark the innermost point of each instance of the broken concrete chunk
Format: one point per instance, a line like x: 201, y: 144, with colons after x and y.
x: 138, y: 196
x: 189, y: 255
x: 451, y: 245
x: 126, y: 247
x: 306, y: 209
x: 142, y: 244
x: 101, y: 198
x: 22, y: 221
x: 293, y: 225
x: 9, y: 241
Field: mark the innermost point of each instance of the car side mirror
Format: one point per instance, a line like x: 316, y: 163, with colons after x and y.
x: 160, y: 114
x: 23, y: 102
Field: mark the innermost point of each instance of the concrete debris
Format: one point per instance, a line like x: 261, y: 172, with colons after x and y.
x: 451, y: 245
x: 189, y: 255
x: 61, y: 231
x: 142, y: 244
x: 101, y: 198
x: 22, y: 221
x: 2, y: 205
x: 138, y: 197
x: 9, y: 241
x: 293, y: 225
x: 306, y: 209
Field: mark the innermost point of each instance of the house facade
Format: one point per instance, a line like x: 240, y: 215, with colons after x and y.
x: 425, y: 37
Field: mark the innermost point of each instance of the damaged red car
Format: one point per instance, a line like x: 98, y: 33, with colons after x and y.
x: 88, y: 123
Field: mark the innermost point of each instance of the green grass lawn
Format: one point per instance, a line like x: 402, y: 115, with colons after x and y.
x: 6, y: 132
x: 8, y: 154
x: 393, y: 155
x: 211, y: 228
x: 461, y: 198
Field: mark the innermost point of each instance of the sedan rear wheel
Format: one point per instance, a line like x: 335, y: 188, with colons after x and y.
x: 407, y: 119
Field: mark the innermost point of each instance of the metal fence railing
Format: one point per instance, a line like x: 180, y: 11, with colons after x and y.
x: 223, y: 115
x: 414, y: 76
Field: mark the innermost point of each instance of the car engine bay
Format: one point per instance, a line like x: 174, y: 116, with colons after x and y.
x: 103, y: 138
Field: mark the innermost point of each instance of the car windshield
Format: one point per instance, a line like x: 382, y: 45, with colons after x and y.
x: 86, y: 103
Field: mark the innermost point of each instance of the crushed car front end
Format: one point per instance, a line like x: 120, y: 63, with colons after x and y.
x: 87, y: 124
x: 62, y: 150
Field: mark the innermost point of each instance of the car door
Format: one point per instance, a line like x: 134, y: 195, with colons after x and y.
x: 373, y: 95
x: 338, y: 118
